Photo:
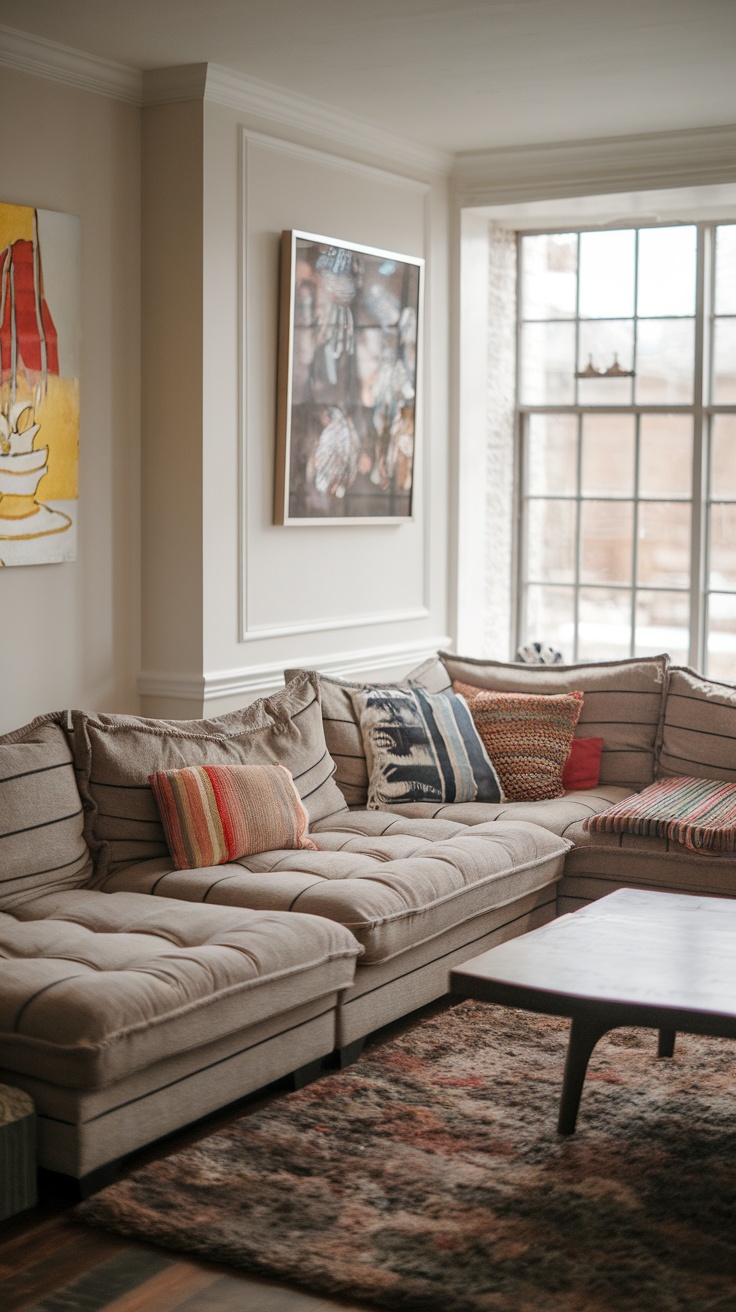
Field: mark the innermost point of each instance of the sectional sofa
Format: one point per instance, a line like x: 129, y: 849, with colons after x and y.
x: 135, y: 997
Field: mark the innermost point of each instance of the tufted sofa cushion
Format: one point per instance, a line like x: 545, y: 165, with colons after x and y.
x: 94, y: 987
x: 394, y: 882
x: 558, y: 814
x: 115, y: 754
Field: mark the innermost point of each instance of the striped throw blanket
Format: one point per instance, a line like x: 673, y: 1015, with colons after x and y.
x: 699, y: 813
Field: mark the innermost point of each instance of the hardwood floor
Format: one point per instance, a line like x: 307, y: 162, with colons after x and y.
x: 49, y: 1262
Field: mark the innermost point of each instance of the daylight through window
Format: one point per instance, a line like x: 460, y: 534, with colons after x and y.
x: 627, y: 420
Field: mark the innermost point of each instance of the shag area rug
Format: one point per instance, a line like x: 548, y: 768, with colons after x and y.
x: 430, y: 1176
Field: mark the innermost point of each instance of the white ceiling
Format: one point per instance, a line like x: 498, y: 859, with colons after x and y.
x: 454, y: 74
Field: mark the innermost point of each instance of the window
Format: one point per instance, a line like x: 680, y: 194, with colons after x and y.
x: 627, y: 419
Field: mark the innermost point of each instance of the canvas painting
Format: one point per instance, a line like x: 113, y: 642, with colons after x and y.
x: 39, y: 385
x: 347, y: 394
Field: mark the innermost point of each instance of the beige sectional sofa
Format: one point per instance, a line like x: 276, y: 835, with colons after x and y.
x: 135, y: 997
x: 656, y: 721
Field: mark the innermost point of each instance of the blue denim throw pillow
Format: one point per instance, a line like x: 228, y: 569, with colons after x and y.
x: 423, y: 747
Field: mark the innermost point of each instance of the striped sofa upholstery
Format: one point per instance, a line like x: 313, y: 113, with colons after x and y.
x: 42, y: 845
x: 656, y: 721
x: 698, y: 728
x: 624, y: 703
x: 123, y: 1017
x: 116, y: 754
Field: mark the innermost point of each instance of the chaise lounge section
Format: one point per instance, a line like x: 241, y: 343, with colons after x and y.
x: 125, y: 1017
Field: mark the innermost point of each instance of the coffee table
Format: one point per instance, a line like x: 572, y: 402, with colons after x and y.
x: 665, y: 961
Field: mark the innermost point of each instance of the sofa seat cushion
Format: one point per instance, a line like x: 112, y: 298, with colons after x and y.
x: 393, y: 881
x: 602, y: 862
x: 116, y: 754
x: 558, y: 814
x: 42, y: 844
x: 94, y: 987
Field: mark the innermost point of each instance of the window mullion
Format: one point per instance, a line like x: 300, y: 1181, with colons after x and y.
x: 578, y: 537
x: 703, y: 313
x: 637, y: 455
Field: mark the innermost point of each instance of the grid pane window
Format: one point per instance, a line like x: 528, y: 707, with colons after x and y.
x: 627, y: 421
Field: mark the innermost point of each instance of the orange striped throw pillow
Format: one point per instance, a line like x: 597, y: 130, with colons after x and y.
x: 212, y: 814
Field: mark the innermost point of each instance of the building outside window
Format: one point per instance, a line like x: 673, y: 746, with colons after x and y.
x: 626, y: 390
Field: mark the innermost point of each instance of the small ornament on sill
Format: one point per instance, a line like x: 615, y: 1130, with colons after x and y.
x: 590, y: 370
x: 539, y: 653
x: 613, y: 371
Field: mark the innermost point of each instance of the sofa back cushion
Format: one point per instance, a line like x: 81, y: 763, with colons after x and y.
x: 699, y: 728
x: 342, y: 727
x: 42, y: 846
x: 623, y: 703
x: 116, y: 754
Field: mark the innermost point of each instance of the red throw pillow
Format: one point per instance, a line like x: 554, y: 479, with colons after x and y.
x: 212, y: 814
x: 583, y: 765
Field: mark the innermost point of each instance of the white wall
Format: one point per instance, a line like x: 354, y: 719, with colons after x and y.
x: 228, y: 601
x: 367, y: 600
x: 69, y: 633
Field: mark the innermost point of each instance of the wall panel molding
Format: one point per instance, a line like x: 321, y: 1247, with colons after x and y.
x: 249, y: 632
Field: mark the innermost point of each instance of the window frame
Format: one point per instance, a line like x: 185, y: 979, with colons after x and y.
x: 702, y: 410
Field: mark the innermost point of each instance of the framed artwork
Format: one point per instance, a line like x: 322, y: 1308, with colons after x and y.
x: 349, y: 326
x: 39, y: 385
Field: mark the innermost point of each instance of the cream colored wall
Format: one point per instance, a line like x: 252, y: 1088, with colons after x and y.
x: 172, y: 385
x: 69, y: 633
x: 359, y: 599
x: 229, y: 600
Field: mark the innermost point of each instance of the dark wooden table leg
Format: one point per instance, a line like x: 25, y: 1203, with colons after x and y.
x: 666, y: 1045
x: 584, y: 1034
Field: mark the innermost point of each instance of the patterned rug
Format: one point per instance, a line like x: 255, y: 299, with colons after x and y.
x: 430, y: 1177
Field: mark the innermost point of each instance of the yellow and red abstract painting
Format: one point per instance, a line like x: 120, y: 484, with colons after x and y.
x: 39, y: 385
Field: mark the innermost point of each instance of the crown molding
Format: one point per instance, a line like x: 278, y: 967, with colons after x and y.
x: 220, y: 86
x: 261, y: 680
x: 649, y: 161
x: 253, y: 97
x: 163, y: 86
x: 59, y: 63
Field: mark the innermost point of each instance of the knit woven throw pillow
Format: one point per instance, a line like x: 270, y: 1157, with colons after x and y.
x: 527, y: 736
x: 422, y: 747
x: 212, y: 814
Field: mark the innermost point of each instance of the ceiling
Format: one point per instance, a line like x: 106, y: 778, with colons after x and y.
x: 454, y: 74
